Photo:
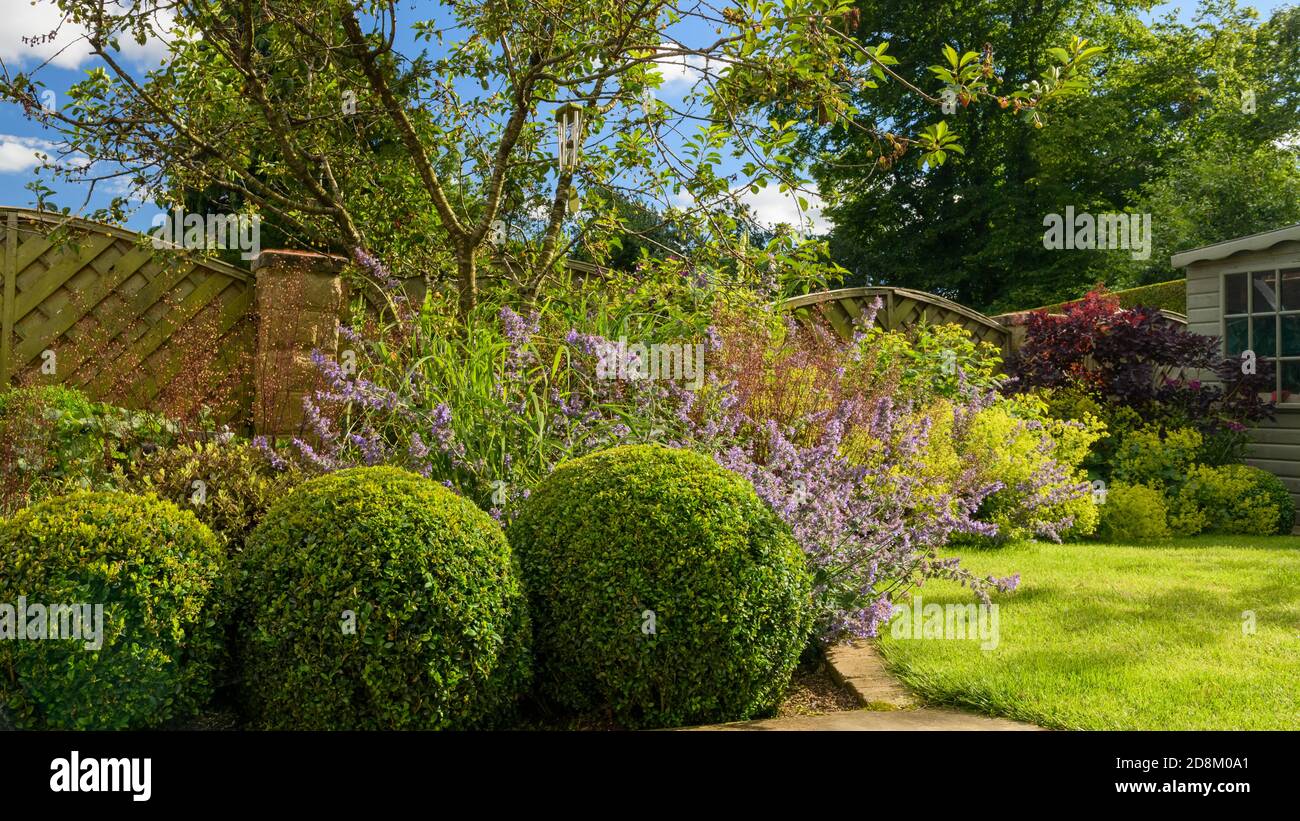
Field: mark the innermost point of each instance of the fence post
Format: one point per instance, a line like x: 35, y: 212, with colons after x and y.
x: 300, y: 298
x: 9, y: 280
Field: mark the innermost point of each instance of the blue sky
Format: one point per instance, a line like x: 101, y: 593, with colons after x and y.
x: 69, y: 60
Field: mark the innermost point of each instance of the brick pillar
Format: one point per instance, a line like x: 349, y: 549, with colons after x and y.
x: 300, y: 297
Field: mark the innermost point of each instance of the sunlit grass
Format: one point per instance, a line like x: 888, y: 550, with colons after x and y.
x: 1123, y: 637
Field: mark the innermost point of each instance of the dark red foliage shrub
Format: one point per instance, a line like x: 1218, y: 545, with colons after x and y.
x: 1137, y: 358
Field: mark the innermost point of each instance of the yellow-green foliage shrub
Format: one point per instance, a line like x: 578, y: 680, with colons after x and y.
x: 1038, y: 460
x: 229, y: 486
x: 1150, y: 456
x: 936, y: 474
x: 924, y: 361
x: 1227, y: 500
x: 1133, y: 513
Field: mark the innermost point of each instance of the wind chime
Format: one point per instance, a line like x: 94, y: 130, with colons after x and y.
x: 568, y: 119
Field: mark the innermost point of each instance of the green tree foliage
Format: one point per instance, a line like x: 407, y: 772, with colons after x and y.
x: 1162, y: 131
x: 310, y: 113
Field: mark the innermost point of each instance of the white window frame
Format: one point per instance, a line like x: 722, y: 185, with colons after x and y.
x: 1292, y: 401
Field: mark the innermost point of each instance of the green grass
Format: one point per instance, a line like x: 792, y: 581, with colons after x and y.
x: 1121, y: 637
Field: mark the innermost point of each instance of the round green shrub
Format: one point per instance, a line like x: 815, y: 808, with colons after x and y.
x: 378, y: 599
x: 1156, y: 456
x: 1233, y: 499
x: 1133, y: 513
x: 661, y: 588
x: 155, y: 570
x: 1271, y: 488
x: 229, y: 486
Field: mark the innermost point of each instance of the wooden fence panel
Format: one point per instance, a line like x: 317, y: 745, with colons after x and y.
x: 97, y: 307
x: 900, y: 307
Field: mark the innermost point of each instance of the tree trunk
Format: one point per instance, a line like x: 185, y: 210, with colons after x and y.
x: 467, y: 278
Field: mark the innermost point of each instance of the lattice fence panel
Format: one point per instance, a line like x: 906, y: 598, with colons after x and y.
x: 97, y: 307
x: 899, y: 308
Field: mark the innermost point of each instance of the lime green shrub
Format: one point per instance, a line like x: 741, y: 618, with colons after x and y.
x: 155, y: 570
x: 1271, y: 487
x: 1232, y: 499
x: 1133, y: 513
x: 1150, y: 456
x: 662, y: 589
x: 228, y: 485
x: 378, y: 599
x: 1038, y: 459
x: 23, y: 401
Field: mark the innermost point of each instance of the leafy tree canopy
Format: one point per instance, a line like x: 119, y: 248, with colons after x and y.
x: 1165, y: 130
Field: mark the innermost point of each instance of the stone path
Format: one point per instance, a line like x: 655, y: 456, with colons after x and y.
x: 925, y: 718
x: 888, y: 705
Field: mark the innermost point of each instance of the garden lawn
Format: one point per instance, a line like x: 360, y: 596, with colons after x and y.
x: 1122, y: 637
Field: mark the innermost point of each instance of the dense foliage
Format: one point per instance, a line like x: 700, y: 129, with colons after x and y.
x: 1133, y: 513
x: 528, y: 331
x: 376, y: 599
x: 227, y: 483
x: 157, y: 574
x: 1132, y: 358
x: 1232, y: 499
x: 1163, y: 130
x: 54, y: 439
x: 661, y: 588
x: 438, y: 149
x: 1037, y: 462
x: 835, y: 434
x: 1167, y: 432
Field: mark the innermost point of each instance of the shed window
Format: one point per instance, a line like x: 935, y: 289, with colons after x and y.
x: 1262, y: 314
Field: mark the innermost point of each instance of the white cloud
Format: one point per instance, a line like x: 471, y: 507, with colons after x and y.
x: 772, y: 207
x: 68, y: 49
x: 681, y: 71
x: 18, y: 154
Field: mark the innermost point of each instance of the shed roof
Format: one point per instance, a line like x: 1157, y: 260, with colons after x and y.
x: 1222, y: 250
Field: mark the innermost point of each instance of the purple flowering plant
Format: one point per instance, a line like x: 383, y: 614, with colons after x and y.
x: 833, y: 434
x: 490, y: 406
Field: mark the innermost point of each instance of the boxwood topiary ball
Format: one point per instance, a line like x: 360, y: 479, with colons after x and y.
x: 377, y: 599
x: 661, y: 588
x: 155, y: 574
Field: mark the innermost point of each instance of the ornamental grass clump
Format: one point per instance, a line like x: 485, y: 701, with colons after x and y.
x: 493, y: 404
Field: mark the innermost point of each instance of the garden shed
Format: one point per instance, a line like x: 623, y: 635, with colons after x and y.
x: 1247, y: 292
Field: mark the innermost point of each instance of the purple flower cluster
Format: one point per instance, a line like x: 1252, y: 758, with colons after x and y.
x: 864, y: 533
x: 376, y: 269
